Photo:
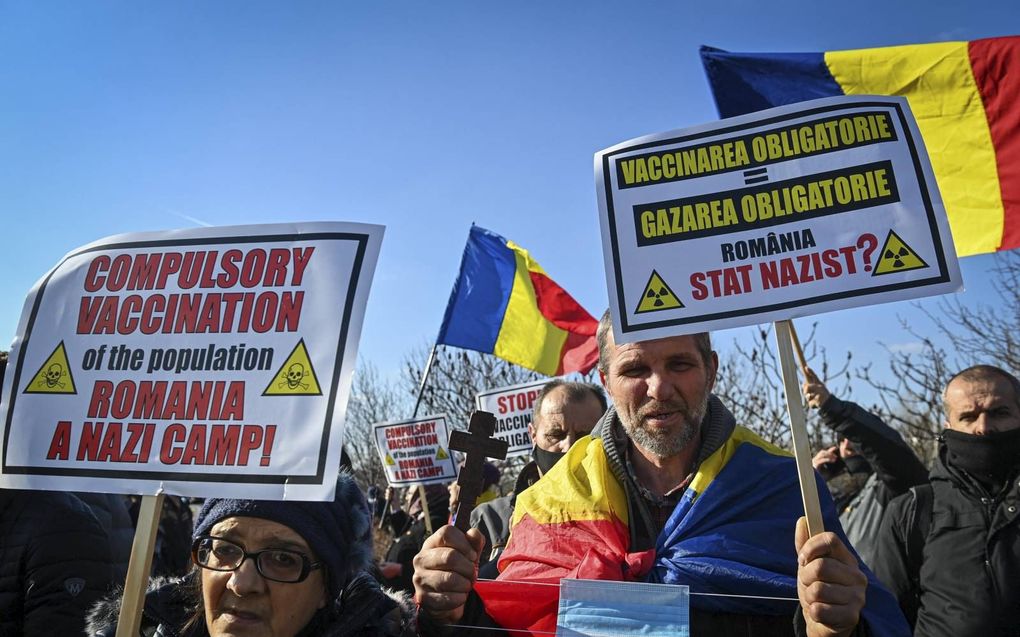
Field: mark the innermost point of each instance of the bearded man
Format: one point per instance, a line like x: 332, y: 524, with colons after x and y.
x: 666, y: 489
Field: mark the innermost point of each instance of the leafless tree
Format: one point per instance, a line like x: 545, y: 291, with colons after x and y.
x: 373, y: 400
x: 750, y: 383
x: 989, y: 334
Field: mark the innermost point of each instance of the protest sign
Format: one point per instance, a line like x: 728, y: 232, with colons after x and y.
x: 195, y: 362
x: 416, y: 451
x: 513, y: 407
x: 791, y: 211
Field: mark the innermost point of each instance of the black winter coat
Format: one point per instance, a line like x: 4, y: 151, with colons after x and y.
x: 968, y: 580
x: 54, y: 563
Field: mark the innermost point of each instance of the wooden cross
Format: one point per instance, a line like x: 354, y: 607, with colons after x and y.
x: 478, y: 444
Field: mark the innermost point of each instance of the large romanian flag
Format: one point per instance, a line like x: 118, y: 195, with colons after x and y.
x: 505, y: 304
x: 965, y: 96
x: 731, y: 539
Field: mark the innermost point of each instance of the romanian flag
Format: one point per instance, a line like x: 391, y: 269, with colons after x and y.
x: 504, y: 304
x: 965, y: 96
x: 731, y: 535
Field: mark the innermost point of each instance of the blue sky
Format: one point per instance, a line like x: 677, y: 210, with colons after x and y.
x: 424, y: 117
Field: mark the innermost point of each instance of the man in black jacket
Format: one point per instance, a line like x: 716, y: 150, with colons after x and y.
x: 951, y: 552
x: 871, y: 466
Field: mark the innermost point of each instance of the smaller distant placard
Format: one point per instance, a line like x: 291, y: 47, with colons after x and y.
x: 514, y: 407
x: 416, y: 451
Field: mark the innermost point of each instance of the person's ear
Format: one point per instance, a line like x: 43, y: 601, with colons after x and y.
x: 713, y: 371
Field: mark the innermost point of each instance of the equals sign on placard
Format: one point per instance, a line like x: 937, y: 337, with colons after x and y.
x: 756, y: 176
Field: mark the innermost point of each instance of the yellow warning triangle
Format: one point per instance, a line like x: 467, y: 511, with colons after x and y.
x: 657, y: 296
x: 296, y: 376
x: 897, y: 256
x: 54, y: 377
x: 441, y: 454
x: 389, y: 460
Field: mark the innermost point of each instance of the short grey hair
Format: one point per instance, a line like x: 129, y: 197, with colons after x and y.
x: 702, y: 340
x: 977, y: 373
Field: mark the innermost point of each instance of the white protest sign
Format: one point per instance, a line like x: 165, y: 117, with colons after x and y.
x: 513, y: 407
x: 786, y: 212
x: 416, y: 451
x: 212, y: 361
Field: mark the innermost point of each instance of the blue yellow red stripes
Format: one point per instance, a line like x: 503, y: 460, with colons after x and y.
x: 965, y: 98
x: 731, y: 534
x: 504, y: 304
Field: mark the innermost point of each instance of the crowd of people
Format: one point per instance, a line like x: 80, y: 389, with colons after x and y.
x: 663, y: 485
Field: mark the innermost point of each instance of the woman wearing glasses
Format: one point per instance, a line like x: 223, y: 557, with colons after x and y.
x: 275, y: 569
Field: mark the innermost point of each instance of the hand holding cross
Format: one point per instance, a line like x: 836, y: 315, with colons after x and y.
x: 478, y: 444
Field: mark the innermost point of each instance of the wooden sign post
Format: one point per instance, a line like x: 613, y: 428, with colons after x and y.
x: 139, y: 566
x: 798, y: 429
x: 478, y: 444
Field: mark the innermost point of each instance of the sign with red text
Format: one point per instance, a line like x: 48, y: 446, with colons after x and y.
x: 791, y: 211
x: 416, y: 451
x: 213, y: 361
x: 513, y: 407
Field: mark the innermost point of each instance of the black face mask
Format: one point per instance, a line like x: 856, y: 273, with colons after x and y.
x: 993, y: 455
x: 545, y: 459
x: 857, y: 464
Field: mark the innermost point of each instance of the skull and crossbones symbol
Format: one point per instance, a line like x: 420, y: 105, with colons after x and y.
x: 292, y: 379
x: 53, y: 374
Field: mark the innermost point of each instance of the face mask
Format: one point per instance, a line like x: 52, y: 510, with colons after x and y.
x: 994, y: 454
x: 545, y: 459
x: 606, y: 609
x: 857, y: 464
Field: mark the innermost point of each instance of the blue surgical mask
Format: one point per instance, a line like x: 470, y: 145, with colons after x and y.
x: 596, y: 608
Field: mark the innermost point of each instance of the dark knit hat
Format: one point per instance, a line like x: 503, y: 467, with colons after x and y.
x: 339, y: 532
x: 490, y: 475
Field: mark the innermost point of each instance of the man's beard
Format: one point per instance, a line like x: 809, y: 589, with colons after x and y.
x: 666, y: 444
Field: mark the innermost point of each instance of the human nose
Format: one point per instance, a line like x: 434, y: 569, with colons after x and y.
x: 246, y: 580
x: 659, y: 387
x: 982, y: 425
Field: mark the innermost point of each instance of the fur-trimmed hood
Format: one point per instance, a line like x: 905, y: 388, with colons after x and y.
x: 364, y: 609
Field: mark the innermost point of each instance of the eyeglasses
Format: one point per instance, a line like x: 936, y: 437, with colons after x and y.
x: 278, y: 565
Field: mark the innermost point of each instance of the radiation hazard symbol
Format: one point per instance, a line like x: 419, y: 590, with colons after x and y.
x: 897, y: 256
x: 296, y: 377
x: 441, y: 454
x: 657, y: 296
x: 54, y: 377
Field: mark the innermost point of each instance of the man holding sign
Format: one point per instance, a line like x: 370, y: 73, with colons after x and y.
x: 667, y: 462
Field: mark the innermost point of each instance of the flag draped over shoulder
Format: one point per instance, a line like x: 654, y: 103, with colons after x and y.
x: 731, y: 534
x: 504, y: 304
x: 964, y: 95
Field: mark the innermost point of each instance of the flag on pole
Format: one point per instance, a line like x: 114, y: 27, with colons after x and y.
x: 504, y: 304
x: 965, y: 96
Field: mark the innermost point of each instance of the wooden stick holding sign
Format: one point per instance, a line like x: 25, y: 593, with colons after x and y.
x: 797, y: 348
x: 798, y: 429
x: 478, y: 444
x: 140, y: 565
x: 425, y: 508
